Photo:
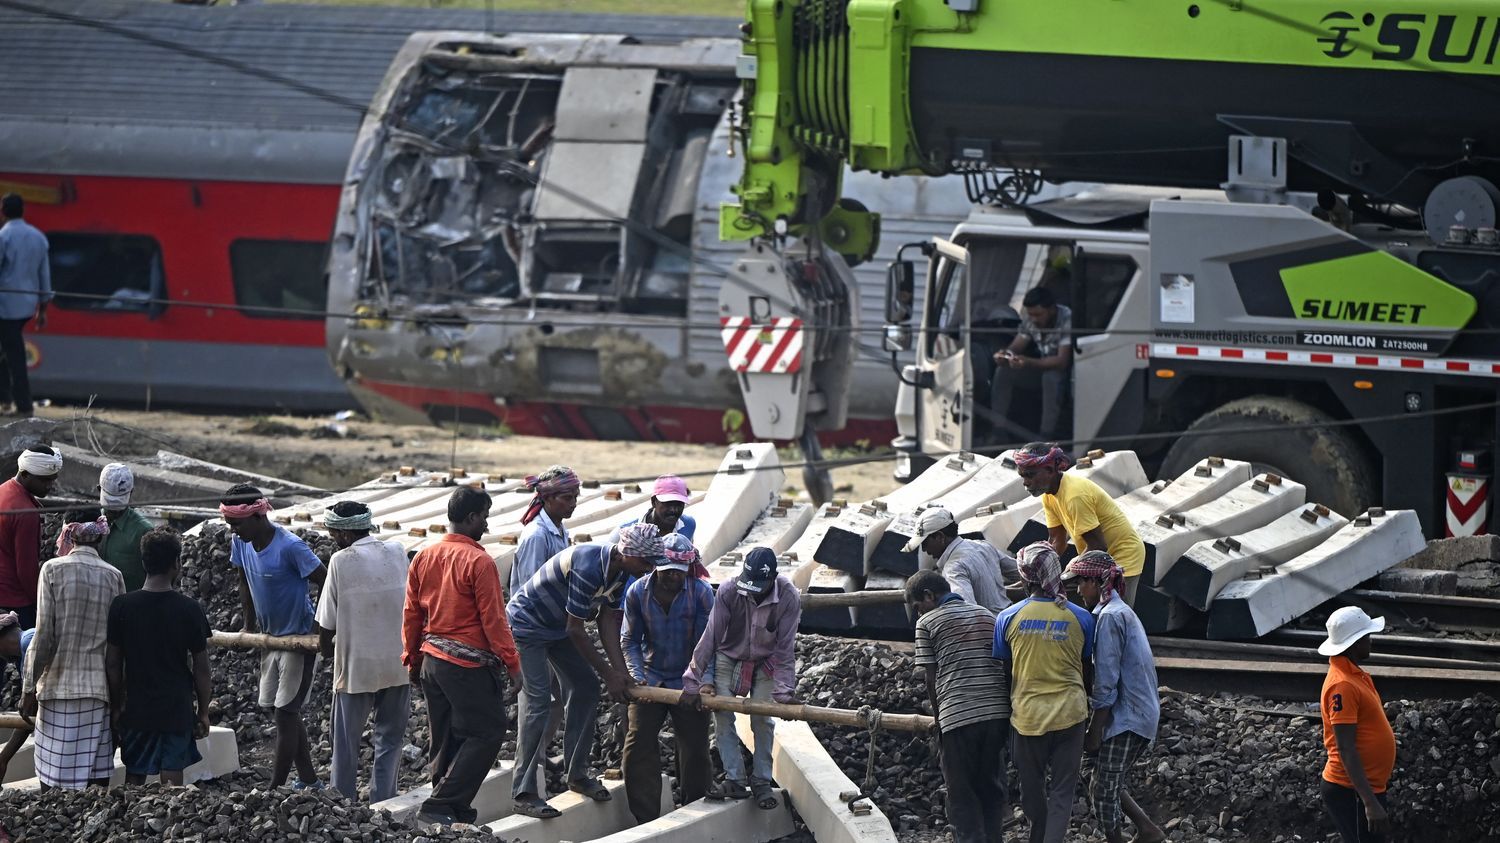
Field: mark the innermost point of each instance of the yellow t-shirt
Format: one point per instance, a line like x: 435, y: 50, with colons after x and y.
x: 1080, y: 506
x: 1047, y: 646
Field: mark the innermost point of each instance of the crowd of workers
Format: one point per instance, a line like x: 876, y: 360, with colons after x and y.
x: 112, y: 655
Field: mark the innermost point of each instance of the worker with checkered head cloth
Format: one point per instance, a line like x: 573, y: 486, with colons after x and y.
x: 1047, y: 644
x: 550, y: 616
x: 1124, y: 703
x: 65, y: 675
x: 1359, y: 740
x: 666, y: 614
x: 1077, y: 509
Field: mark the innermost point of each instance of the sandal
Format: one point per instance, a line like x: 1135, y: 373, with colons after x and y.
x: 536, y: 808
x: 765, y: 797
x: 730, y: 789
x: 592, y: 788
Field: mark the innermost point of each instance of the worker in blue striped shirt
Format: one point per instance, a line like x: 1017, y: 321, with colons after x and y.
x: 548, y: 619
x: 665, y: 615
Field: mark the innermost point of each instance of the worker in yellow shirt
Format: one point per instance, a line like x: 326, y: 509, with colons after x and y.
x: 1079, y: 510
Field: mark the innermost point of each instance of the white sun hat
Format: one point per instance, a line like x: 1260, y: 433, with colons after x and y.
x: 1347, y: 626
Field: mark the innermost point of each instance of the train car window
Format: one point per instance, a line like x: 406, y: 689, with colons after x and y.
x: 279, y: 279
x: 119, y: 273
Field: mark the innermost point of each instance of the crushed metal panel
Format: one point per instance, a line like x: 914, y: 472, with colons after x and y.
x: 603, y: 175
x: 605, y: 104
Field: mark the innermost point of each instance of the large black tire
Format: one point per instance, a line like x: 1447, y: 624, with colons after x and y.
x: 1272, y: 434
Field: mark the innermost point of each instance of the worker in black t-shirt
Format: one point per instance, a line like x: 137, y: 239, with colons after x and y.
x: 154, y: 635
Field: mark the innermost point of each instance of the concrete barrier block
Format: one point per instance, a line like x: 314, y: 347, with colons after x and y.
x: 804, y: 551
x: 1160, y: 612
x: 726, y: 821
x: 1209, y: 479
x: 1246, y: 507
x: 582, y: 818
x: 1418, y: 581
x: 999, y: 524
x: 1363, y: 548
x: 813, y: 782
x: 1116, y: 472
x: 883, y: 615
x: 748, y: 480
x: 778, y: 527
x: 220, y: 754
x: 849, y: 543
x: 1210, y: 565
x: 994, y: 483
x: 22, y: 765
x: 825, y: 580
x: 493, y: 801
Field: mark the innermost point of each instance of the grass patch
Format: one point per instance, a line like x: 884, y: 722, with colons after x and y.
x: 705, y: 8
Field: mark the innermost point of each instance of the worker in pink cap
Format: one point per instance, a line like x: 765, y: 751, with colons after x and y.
x: 669, y: 497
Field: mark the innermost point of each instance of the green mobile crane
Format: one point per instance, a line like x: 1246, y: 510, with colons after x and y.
x: 1310, y: 280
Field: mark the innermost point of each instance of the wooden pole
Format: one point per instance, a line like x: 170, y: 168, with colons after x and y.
x: 877, y: 597
x: 12, y: 720
x: 811, y: 713
x: 262, y: 641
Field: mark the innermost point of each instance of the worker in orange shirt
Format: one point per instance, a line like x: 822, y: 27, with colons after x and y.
x: 1361, y: 745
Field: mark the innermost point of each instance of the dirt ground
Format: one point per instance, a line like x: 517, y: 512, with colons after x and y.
x: 310, y: 451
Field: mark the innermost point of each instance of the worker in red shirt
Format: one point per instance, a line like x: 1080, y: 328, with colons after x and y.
x: 459, y: 649
x: 21, y: 530
x: 1361, y: 745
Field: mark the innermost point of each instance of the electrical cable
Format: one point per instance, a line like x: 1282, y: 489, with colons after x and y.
x: 847, y: 462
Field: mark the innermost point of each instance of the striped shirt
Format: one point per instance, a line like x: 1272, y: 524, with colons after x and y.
x: 956, y: 638
x: 66, y: 657
x: 575, y: 582
x: 658, y: 643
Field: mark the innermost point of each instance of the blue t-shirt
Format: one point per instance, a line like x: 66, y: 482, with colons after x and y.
x: 26, y: 636
x: 278, y: 582
x: 574, y: 583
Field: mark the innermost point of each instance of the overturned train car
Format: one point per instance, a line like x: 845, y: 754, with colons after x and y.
x: 528, y: 237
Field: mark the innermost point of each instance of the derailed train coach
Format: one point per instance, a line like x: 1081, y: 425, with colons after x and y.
x: 528, y: 237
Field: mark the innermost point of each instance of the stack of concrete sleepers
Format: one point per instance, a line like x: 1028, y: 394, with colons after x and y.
x: 1246, y: 507
x: 1361, y: 549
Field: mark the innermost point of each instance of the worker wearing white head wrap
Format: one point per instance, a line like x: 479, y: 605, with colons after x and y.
x: 21, y: 529
x: 40, y: 461
x: 122, y: 547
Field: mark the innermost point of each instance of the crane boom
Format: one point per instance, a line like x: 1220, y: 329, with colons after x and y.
x: 1382, y: 100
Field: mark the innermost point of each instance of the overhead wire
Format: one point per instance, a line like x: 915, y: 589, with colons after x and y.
x: 993, y: 450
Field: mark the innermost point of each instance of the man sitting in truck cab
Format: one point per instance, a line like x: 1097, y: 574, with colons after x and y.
x: 1041, y: 353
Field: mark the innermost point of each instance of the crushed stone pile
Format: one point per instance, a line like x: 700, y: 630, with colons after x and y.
x: 239, y: 807
x: 1223, y: 767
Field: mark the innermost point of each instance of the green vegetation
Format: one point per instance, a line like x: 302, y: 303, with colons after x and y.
x: 708, y: 8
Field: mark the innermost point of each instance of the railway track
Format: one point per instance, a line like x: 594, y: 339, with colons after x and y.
x: 1294, y: 673
x: 1425, y: 611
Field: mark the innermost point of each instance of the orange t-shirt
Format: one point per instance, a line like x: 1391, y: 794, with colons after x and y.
x: 1349, y: 697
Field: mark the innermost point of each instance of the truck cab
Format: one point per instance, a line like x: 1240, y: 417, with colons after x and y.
x: 1358, y: 358
x: 976, y: 283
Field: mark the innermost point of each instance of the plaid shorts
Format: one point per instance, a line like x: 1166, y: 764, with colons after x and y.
x: 1116, y: 756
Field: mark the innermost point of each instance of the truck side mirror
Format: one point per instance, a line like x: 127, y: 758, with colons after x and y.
x: 900, y: 288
